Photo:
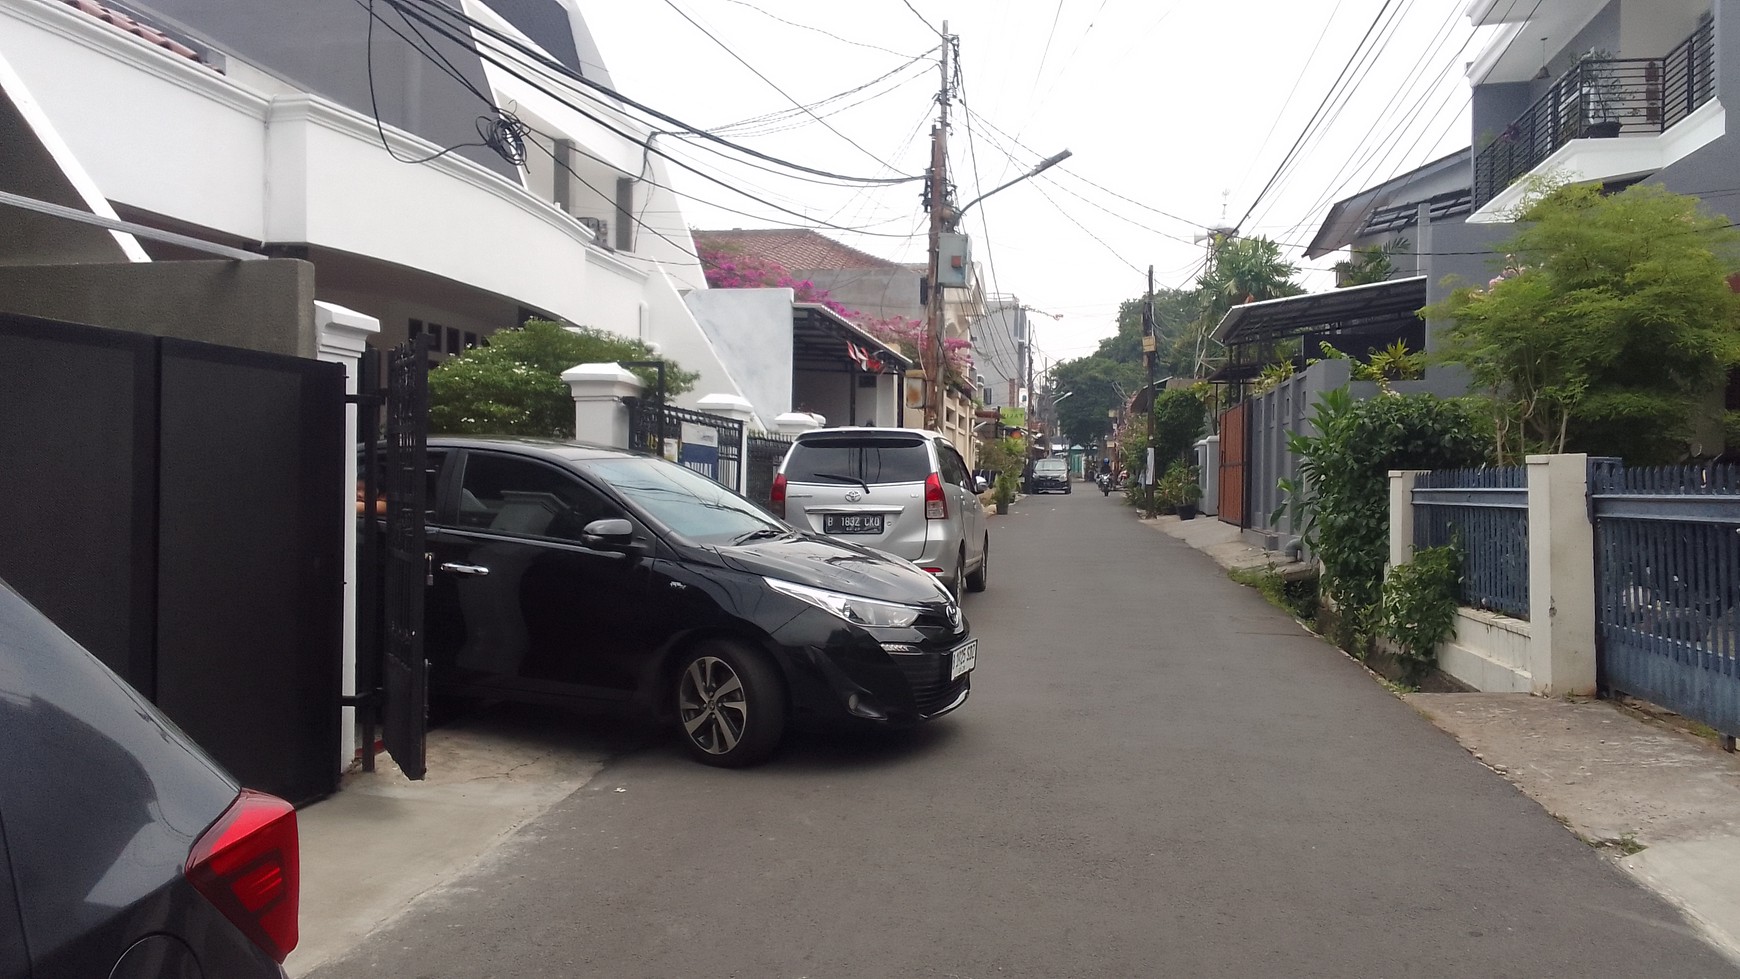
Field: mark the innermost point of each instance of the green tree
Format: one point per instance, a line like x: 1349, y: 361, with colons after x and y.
x: 1240, y: 270
x: 1367, y: 265
x: 1098, y: 385
x: 1611, y: 323
x: 1178, y: 420
x: 514, y: 386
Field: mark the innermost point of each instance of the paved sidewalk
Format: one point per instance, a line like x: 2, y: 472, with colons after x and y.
x: 370, y: 851
x: 1663, y: 803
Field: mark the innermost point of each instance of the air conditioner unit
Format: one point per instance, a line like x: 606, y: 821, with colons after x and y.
x: 600, y: 229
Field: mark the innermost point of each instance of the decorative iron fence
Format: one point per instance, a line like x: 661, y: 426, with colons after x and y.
x: 1484, y: 512
x: 766, y: 452
x: 1667, y: 556
x: 712, y: 445
x: 1601, y: 99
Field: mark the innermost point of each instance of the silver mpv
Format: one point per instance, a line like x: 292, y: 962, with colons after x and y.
x: 900, y: 490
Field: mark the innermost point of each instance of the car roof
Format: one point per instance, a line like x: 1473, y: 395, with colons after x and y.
x: 863, y: 430
x: 554, y: 449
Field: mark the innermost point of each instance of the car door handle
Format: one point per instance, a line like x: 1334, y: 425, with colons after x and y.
x: 456, y: 568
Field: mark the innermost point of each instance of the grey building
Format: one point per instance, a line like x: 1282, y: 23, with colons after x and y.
x: 1001, y: 344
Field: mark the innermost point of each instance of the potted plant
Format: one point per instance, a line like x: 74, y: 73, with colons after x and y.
x: 1007, y: 486
x: 1603, y: 94
x: 1188, y: 493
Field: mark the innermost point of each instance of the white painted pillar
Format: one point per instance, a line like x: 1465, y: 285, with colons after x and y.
x: 739, y: 409
x: 1402, y: 514
x: 600, y: 417
x: 344, y: 334
x: 795, y: 423
x: 1561, y: 576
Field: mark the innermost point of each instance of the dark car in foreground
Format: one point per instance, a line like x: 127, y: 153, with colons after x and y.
x: 571, y: 574
x: 125, y: 852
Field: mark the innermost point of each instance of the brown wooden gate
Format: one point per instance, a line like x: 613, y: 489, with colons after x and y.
x: 1234, y: 453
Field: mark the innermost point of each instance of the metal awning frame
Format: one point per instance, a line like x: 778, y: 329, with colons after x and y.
x: 1369, y: 308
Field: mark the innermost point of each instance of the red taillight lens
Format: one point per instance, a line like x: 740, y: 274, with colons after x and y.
x: 936, y: 505
x: 246, y: 865
x: 776, y: 501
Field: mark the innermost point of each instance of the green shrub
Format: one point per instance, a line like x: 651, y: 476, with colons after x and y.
x: 1340, y: 503
x: 1419, y: 606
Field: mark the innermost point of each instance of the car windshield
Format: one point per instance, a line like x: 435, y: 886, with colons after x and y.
x: 1050, y: 465
x: 859, y: 458
x: 685, y: 501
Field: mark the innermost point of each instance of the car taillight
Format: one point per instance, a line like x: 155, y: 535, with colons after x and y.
x: 246, y: 865
x: 776, y: 500
x: 936, y: 505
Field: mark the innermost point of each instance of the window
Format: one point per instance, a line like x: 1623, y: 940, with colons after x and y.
x: 848, y: 458
x: 508, y: 495
x: 954, y: 469
x: 683, y: 500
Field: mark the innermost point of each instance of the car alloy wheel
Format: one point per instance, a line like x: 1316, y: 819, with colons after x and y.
x: 715, y: 711
x: 730, y: 705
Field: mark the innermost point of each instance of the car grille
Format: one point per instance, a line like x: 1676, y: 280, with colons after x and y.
x: 928, y: 676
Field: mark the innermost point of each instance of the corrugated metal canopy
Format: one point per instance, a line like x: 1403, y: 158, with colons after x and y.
x: 1356, y: 309
x: 819, y: 337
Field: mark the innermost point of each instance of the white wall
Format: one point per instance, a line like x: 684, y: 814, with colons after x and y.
x: 1649, y: 29
x: 750, y: 329
x: 674, y: 329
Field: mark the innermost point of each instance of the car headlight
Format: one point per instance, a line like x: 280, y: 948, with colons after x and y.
x: 853, y: 608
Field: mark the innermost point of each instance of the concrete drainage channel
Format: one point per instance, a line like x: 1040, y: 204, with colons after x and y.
x: 382, y: 841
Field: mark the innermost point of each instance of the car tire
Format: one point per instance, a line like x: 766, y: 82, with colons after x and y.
x: 730, y: 704
x: 957, y: 584
x: 1068, y: 490
x: 977, y: 581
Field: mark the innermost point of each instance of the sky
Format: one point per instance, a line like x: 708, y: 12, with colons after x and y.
x: 1178, y: 112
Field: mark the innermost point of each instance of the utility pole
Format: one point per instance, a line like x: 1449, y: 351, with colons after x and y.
x: 1150, y: 351
x: 939, y: 220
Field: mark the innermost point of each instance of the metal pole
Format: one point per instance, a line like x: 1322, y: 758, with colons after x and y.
x: 1149, y: 352
x: 938, y: 219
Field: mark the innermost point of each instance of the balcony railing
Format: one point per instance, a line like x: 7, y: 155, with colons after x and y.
x: 1599, y: 99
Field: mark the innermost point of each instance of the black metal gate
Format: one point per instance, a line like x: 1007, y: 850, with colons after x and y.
x: 709, y: 444
x: 405, y: 671
x: 175, y: 507
x: 766, y: 452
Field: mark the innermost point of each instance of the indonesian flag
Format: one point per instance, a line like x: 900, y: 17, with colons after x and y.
x: 862, y: 358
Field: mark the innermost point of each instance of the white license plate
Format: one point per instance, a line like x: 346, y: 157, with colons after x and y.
x: 963, y: 657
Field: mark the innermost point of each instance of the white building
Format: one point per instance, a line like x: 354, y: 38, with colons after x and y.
x: 252, y: 124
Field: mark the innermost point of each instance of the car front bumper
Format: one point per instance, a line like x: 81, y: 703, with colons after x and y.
x: 893, y: 677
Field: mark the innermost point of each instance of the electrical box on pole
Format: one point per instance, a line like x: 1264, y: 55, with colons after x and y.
x: 955, y: 260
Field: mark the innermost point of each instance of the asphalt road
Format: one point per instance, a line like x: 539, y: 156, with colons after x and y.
x: 1157, y: 775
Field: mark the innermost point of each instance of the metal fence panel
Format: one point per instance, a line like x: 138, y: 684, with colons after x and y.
x: 766, y: 452
x: 1667, y: 553
x: 709, y: 444
x: 1485, y: 512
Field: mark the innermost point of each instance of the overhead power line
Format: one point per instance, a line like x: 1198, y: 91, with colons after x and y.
x: 771, y: 83
x: 446, y: 32
x: 427, y: 10
x: 818, y: 30
x: 1321, y: 106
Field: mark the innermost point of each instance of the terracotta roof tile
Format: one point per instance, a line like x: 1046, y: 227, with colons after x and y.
x: 798, y: 249
x: 144, y: 31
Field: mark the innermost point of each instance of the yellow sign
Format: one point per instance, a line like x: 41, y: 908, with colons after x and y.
x: 1148, y: 345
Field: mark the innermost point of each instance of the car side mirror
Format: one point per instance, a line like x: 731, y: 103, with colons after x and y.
x: 980, y: 485
x: 610, y: 534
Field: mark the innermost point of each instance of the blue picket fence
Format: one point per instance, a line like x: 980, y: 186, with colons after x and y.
x: 1485, y: 513
x: 1667, y: 556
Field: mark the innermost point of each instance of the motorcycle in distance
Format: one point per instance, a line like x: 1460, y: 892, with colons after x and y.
x: 1105, y: 481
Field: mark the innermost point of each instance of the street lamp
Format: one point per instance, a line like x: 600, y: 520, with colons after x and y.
x: 954, y: 217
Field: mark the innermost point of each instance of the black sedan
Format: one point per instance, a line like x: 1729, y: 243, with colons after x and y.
x: 126, y: 851
x: 571, y: 574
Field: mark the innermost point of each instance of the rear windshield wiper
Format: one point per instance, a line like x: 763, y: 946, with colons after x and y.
x: 838, y: 478
x: 761, y: 533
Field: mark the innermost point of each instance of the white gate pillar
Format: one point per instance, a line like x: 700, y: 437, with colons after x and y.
x: 344, y: 335
x: 600, y: 417
x: 739, y: 409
